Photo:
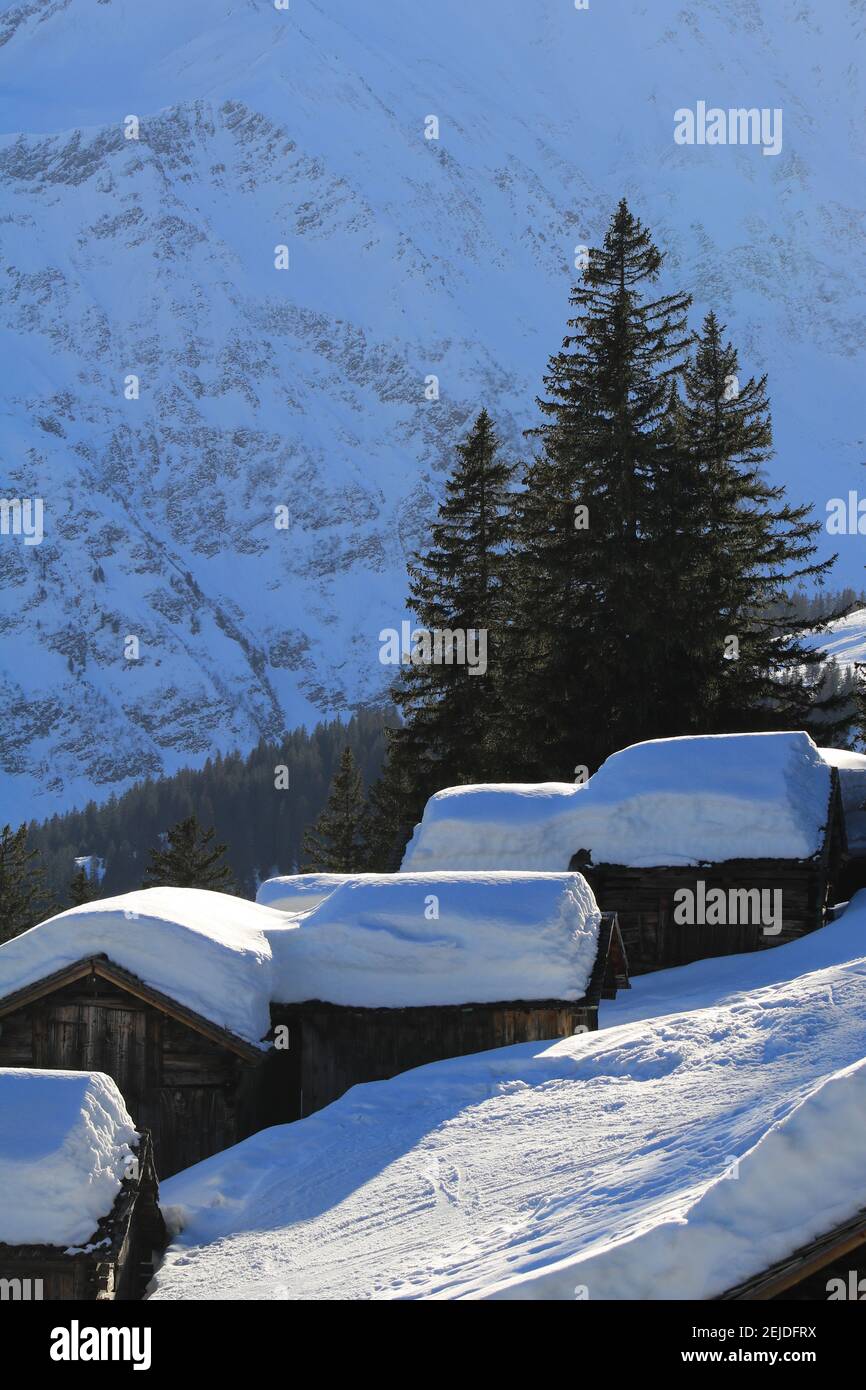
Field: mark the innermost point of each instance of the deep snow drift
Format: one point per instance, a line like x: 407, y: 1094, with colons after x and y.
x: 714, y: 1140
x: 375, y: 941
x: 299, y: 892
x: 667, y: 801
x: 397, y: 940
x: 65, y: 1145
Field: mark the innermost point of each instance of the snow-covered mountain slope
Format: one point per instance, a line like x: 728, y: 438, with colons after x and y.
x: 843, y: 641
x: 408, y: 257
x: 716, y: 1123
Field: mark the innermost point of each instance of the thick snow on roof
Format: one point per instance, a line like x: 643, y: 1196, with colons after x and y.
x: 208, y: 951
x: 386, y: 940
x: 669, y: 801
x: 393, y: 940
x: 65, y: 1140
x: 852, y: 785
x: 524, y: 1170
x: 300, y: 892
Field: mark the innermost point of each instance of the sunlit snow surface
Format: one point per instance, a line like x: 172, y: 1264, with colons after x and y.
x: 519, y: 1170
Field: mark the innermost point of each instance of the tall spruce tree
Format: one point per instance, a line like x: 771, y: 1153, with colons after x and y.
x: 584, y: 665
x: 23, y: 901
x: 336, y: 843
x: 450, y: 708
x: 393, y: 805
x: 745, y: 664
x: 189, y: 859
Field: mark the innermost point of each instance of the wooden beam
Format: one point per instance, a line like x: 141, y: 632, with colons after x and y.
x: 808, y: 1260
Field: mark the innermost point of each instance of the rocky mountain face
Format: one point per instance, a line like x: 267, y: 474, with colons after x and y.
x: 260, y: 269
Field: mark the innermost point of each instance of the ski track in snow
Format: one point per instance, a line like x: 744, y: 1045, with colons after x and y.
x: 451, y: 1179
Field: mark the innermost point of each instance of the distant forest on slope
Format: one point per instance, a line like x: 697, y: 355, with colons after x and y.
x: 262, y: 825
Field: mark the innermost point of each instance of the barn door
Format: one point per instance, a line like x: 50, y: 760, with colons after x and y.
x: 94, y: 1037
x: 194, y: 1122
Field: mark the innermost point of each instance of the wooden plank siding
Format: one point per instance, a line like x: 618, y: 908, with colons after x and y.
x: 643, y: 899
x: 196, y: 1095
x: 333, y: 1047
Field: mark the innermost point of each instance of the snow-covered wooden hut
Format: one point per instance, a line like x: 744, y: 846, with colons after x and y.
x: 217, y: 1017
x: 165, y: 991
x: 851, y: 769
x: 79, y: 1213
x: 702, y: 846
x: 393, y: 971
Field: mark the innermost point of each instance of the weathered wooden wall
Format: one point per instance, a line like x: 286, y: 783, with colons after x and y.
x: 334, y: 1048
x: 194, y: 1096
x: 643, y: 900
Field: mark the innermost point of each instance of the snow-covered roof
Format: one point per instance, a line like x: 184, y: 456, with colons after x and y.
x: 852, y: 785
x: 393, y: 940
x: 714, y: 1125
x: 65, y: 1143
x: 386, y: 940
x: 300, y: 892
x: 691, y: 800
x: 208, y: 951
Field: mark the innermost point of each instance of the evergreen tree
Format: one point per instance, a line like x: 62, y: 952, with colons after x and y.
x: 745, y: 662
x: 189, y: 859
x: 23, y: 902
x: 450, y: 707
x: 335, y: 844
x: 656, y: 610
x: 81, y: 887
x: 394, y: 804
x: 584, y: 663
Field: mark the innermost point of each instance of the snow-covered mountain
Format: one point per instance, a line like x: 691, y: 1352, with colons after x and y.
x: 408, y: 257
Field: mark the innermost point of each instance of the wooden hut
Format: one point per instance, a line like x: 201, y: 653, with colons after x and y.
x: 217, y: 1017
x: 332, y: 1047
x: 49, y: 1192
x: 748, y: 829
x: 851, y: 771
x: 195, y: 1086
x: 658, y: 932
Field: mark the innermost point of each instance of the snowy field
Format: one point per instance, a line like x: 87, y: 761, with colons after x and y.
x: 715, y: 1123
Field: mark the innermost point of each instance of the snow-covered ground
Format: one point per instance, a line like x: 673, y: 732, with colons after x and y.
x: 715, y: 1123
x: 65, y: 1145
x: 844, y: 641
